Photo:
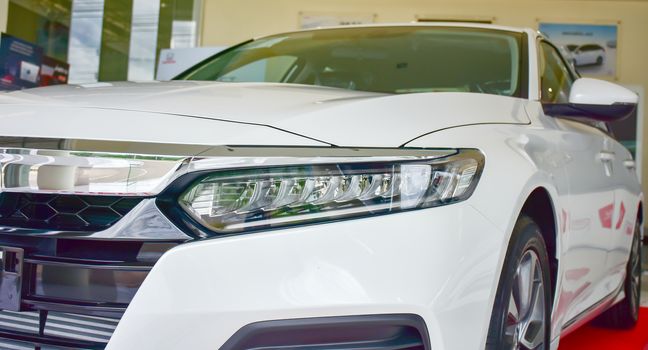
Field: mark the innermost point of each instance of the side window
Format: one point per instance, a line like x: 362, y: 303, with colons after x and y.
x: 555, y: 78
x: 272, y: 69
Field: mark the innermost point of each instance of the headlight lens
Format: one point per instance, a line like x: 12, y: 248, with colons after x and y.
x: 239, y: 200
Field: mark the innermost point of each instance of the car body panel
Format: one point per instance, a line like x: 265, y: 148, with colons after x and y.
x: 334, y: 116
x: 99, y: 124
x: 549, y: 154
x: 351, y: 267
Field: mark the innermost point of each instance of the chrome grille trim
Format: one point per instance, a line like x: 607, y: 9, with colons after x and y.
x: 145, y: 222
x: 69, y: 326
x: 85, y: 173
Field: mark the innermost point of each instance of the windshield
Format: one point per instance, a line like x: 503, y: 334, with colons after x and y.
x: 378, y: 59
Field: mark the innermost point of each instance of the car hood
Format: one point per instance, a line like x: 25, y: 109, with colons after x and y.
x: 211, y: 113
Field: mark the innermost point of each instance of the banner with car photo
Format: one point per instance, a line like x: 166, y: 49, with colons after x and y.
x: 592, y: 48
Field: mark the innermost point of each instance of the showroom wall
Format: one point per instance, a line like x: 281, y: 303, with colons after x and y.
x: 4, y: 6
x: 232, y: 21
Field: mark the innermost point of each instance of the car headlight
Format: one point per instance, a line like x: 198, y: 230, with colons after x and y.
x: 231, y: 201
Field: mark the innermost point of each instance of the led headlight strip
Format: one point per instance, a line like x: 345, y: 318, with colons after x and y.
x: 238, y: 200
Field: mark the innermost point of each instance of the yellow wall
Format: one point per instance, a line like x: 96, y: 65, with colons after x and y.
x: 232, y: 21
x: 4, y: 10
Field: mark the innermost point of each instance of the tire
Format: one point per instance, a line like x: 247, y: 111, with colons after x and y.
x: 530, y: 328
x: 625, y: 314
x: 599, y: 60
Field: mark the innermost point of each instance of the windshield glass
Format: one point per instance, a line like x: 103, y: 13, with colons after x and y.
x: 379, y: 59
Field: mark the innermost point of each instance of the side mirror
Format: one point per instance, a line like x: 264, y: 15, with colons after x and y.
x: 595, y: 99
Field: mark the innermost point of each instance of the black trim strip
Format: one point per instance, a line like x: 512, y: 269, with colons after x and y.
x: 605, y: 113
x: 90, y: 309
x: 88, y: 264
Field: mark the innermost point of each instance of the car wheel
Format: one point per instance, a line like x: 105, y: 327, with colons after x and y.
x: 599, y: 60
x: 521, y: 313
x: 624, y: 315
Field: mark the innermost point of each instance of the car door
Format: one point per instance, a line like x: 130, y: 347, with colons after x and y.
x: 586, y: 222
x: 627, y: 205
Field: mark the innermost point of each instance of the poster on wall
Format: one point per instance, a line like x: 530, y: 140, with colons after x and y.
x: 308, y: 20
x: 53, y: 72
x: 592, y: 48
x: 20, y: 63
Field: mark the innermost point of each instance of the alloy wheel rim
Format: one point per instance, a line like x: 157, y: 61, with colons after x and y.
x: 526, y: 315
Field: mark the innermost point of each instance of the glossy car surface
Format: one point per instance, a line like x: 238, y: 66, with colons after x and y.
x: 117, y: 205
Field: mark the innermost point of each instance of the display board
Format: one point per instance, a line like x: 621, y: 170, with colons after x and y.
x: 53, y: 72
x: 19, y: 63
x: 23, y: 65
x: 592, y: 48
x: 309, y: 20
x: 455, y: 18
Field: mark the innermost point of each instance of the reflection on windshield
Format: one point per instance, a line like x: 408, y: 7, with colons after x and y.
x: 392, y: 59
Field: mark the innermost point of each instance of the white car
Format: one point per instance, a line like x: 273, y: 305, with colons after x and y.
x: 587, y: 54
x: 432, y: 186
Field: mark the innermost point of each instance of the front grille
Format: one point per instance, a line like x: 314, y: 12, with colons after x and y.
x: 72, y: 291
x: 84, y: 287
x: 84, y: 329
x: 63, y: 211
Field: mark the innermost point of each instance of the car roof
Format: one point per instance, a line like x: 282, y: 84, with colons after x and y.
x: 416, y: 24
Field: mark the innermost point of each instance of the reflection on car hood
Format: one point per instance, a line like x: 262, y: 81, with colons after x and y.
x: 245, y: 113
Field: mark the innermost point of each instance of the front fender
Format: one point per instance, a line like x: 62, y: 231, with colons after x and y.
x: 518, y: 160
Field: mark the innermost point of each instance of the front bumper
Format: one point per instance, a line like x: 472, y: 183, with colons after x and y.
x: 437, y: 264
x: 440, y: 264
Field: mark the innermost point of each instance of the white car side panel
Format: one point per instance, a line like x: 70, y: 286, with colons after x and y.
x: 527, y: 159
x: 521, y: 158
x: 586, y: 238
x: 442, y: 265
x: 624, y: 220
x: 517, y: 157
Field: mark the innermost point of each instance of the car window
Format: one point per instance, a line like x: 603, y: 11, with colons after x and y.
x: 555, y: 79
x: 270, y: 69
x: 379, y: 59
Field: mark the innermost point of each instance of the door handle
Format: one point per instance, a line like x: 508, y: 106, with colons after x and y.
x: 606, y: 156
x: 630, y: 164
